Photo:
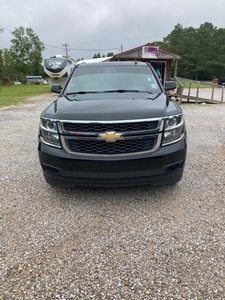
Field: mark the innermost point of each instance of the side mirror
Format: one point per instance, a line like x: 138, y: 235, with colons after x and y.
x: 56, y: 88
x: 170, y: 85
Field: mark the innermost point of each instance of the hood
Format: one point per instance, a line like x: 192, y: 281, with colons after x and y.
x: 111, y: 109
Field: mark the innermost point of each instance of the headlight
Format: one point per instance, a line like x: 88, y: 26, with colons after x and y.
x: 173, y: 130
x: 49, y: 133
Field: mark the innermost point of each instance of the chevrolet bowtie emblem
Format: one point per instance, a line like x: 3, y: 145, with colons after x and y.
x: 110, y: 137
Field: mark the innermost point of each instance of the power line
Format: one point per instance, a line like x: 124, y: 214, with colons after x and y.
x: 95, y: 49
x: 66, y: 45
x: 53, y: 46
x: 79, y: 49
x: 3, y: 28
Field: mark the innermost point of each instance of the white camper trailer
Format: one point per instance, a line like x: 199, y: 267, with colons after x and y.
x: 59, y: 67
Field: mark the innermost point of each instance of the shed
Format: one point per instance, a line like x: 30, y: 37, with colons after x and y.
x: 160, y: 59
x: 34, y: 79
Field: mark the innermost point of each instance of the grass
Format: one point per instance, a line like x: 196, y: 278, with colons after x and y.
x: 17, y: 94
x: 195, y: 85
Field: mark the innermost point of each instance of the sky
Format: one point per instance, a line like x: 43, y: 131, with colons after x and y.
x: 103, y: 26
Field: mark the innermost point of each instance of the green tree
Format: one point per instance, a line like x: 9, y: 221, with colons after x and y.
x: 98, y: 55
x: 110, y: 54
x: 217, y: 60
x: 27, y: 52
x: 1, y: 64
x: 202, y: 50
x: 7, y: 66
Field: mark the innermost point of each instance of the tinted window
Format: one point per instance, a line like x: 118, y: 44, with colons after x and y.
x: 113, y: 78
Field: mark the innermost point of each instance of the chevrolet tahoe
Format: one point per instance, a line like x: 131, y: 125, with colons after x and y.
x: 112, y: 124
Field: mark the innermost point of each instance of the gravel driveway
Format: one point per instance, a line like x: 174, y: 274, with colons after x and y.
x: 120, y: 243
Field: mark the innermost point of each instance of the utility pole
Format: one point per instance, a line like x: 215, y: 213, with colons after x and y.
x: 66, y: 48
x: 1, y: 30
x: 121, y: 48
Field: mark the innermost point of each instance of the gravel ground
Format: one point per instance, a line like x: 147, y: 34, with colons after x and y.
x: 120, y: 243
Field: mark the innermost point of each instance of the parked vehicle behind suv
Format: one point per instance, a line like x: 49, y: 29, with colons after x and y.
x: 112, y: 125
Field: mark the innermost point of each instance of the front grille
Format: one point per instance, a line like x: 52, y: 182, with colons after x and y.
x: 83, y: 138
x: 119, y: 147
x: 103, y: 127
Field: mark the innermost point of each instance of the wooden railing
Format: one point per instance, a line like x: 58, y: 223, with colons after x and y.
x: 212, y: 93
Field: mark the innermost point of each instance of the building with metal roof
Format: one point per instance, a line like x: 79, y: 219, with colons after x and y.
x: 162, y: 60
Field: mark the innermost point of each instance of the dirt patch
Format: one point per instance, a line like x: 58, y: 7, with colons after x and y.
x: 222, y: 152
x: 42, y: 97
x: 32, y: 100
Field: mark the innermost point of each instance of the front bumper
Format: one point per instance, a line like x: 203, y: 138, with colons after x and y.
x: 164, y: 166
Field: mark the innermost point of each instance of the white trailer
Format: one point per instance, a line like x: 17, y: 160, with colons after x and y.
x: 59, y: 67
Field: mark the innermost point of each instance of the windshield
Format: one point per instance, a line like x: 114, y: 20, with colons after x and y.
x: 110, y: 79
x: 53, y: 64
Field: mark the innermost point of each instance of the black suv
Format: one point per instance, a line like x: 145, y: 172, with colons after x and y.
x: 112, y: 125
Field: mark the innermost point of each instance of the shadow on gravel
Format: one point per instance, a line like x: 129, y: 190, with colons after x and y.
x: 114, y: 195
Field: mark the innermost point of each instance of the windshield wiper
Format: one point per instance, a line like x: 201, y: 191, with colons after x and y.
x: 110, y: 91
x: 106, y: 91
x: 128, y: 91
x: 121, y: 91
x: 153, y: 98
x: 83, y: 92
